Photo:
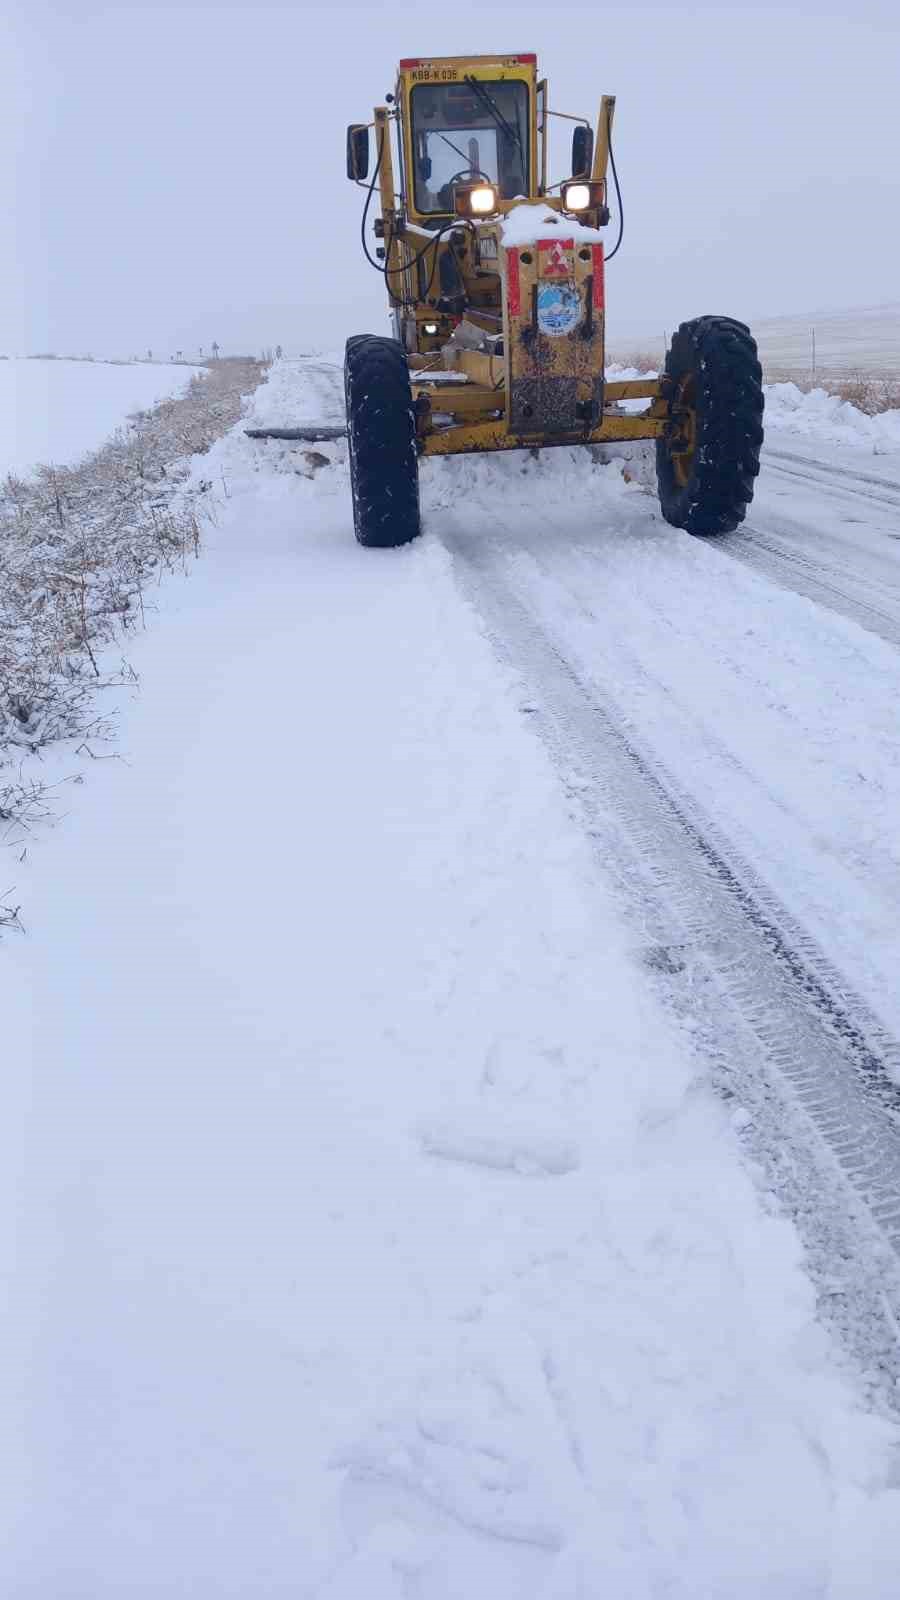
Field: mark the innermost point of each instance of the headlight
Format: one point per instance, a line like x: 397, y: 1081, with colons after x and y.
x: 584, y: 196
x: 477, y: 199
x: 483, y: 201
x: 431, y: 327
x: 577, y: 197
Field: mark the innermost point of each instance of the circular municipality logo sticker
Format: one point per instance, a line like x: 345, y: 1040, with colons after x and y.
x: 558, y: 308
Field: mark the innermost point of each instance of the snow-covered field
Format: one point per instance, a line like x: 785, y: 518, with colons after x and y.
x: 865, y: 340
x: 847, y: 344
x: 56, y: 411
x: 414, y: 1187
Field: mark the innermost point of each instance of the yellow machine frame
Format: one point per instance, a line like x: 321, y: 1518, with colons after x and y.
x: 472, y: 410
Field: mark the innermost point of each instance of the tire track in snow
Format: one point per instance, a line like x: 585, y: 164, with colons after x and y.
x: 812, y: 1073
x: 327, y: 382
x: 758, y: 547
x: 577, y: 582
x: 846, y: 480
x: 850, y: 579
x: 815, y: 1072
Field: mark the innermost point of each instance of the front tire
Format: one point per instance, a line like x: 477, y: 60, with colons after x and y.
x: 381, y: 430
x: 706, y: 467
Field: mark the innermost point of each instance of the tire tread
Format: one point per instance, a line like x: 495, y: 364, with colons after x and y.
x: 722, y: 353
x: 384, y: 465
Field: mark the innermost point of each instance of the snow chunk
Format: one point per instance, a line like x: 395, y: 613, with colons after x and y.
x: 526, y: 1150
x: 526, y: 224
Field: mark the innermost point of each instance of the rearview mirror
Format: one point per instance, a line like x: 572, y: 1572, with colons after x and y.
x: 582, y: 151
x: 357, y: 151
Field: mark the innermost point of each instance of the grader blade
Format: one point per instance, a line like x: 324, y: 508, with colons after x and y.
x: 314, y: 433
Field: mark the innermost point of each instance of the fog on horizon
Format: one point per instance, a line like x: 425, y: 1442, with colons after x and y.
x: 177, y: 173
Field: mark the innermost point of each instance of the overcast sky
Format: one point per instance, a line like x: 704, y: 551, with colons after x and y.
x: 177, y: 172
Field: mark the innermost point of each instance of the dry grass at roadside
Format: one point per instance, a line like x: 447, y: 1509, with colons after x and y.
x: 80, y: 550
x: 868, y: 392
x: 640, y: 360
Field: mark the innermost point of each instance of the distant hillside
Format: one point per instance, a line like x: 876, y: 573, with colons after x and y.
x: 846, y: 342
x: 861, y: 342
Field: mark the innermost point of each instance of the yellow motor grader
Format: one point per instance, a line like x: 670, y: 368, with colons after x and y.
x: 496, y: 280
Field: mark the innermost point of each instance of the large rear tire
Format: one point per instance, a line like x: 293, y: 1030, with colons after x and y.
x: 706, y: 474
x: 381, y: 429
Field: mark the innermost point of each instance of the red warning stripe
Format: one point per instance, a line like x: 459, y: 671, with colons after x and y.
x: 513, y: 292
x: 599, y: 285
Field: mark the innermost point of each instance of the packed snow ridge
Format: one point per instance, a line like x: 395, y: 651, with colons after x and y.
x: 821, y: 418
x: 825, y: 417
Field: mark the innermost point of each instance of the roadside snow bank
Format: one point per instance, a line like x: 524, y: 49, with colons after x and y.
x: 56, y: 411
x: 826, y: 417
x: 821, y: 417
x: 378, y: 1235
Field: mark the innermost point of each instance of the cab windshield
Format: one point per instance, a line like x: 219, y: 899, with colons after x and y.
x: 466, y: 131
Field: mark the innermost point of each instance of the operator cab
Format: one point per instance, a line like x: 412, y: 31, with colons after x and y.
x: 475, y: 130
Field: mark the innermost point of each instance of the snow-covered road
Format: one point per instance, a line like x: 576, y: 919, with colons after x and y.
x: 829, y: 531
x: 452, y: 1103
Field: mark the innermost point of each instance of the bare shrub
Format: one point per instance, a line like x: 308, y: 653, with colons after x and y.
x: 869, y: 392
x: 79, y: 548
x: 641, y: 360
x: 9, y: 915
